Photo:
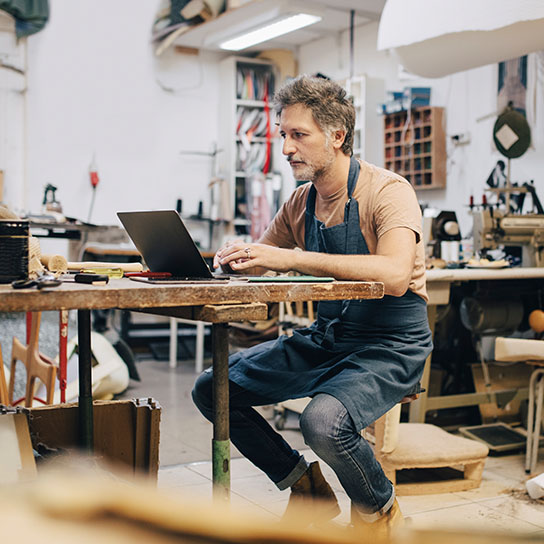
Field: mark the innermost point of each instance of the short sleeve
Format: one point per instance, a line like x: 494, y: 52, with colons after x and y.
x: 397, y: 206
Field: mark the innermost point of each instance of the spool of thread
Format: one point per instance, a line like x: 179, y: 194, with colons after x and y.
x: 55, y: 263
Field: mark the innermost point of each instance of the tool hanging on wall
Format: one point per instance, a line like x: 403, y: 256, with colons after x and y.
x: 93, y: 176
x: 50, y: 202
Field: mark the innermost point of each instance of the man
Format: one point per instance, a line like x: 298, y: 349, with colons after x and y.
x: 353, y: 221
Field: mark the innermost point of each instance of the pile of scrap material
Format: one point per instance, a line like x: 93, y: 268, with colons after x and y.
x: 176, y: 17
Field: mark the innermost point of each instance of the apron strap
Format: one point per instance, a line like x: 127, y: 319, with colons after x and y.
x: 353, y: 176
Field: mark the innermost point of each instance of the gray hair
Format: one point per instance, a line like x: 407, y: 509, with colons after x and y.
x: 330, y: 106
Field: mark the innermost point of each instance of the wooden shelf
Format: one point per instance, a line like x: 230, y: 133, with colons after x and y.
x: 415, y: 146
x: 243, y: 117
x: 366, y: 93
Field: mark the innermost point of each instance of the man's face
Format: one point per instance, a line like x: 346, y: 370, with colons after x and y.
x: 307, y: 148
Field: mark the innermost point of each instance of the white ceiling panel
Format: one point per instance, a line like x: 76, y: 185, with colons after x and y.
x: 336, y: 19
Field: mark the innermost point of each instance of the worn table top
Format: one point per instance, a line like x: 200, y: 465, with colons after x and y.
x: 439, y: 280
x: 472, y: 274
x: 127, y: 294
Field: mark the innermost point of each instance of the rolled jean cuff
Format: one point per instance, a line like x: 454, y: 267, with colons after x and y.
x: 375, y: 516
x: 293, y: 477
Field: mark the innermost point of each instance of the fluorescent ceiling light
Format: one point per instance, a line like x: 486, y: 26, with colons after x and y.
x: 273, y: 30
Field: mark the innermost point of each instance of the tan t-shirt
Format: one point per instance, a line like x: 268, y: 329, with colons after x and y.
x: 386, y: 201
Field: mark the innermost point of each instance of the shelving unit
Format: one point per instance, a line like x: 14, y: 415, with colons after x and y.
x: 247, y: 132
x: 367, y: 93
x: 415, y: 146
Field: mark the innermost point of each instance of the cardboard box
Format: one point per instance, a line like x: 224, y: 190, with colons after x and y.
x: 126, y: 432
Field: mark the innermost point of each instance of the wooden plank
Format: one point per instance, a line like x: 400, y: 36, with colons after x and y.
x: 256, y: 311
x: 186, y: 50
x: 126, y: 294
x: 154, y: 437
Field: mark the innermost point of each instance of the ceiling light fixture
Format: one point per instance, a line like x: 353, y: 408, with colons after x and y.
x: 269, y: 31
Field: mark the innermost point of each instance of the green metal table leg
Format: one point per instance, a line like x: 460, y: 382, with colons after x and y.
x: 221, y: 442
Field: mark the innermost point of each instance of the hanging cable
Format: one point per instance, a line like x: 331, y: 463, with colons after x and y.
x: 351, y: 25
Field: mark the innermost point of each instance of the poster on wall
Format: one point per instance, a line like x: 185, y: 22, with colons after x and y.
x: 512, y: 84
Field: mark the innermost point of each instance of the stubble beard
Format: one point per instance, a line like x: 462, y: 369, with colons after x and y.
x: 314, y: 172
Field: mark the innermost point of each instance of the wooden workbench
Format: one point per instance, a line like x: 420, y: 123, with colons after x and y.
x: 217, y: 303
x: 439, y: 282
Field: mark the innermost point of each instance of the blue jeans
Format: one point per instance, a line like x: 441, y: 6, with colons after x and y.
x: 327, y: 429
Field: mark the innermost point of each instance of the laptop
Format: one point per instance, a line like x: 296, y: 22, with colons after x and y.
x: 166, y: 246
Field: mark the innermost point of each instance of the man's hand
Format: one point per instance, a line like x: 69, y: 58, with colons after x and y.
x: 225, y: 265
x: 242, y: 256
x: 392, y: 264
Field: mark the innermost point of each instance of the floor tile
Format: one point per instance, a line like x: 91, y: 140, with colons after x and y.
x: 493, y: 484
x: 180, y: 476
x: 413, y: 504
x: 472, y: 516
x: 519, y: 506
x: 501, y: 501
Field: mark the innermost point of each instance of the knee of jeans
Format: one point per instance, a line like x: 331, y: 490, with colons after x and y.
x: 316, y: 429
x: 202, y: 393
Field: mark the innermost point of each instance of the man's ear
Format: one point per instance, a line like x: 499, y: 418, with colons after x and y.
x: 338, y: 137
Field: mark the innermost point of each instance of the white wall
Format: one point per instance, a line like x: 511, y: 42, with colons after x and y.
x: 93, y: 87
x: 466, y: 96
x: 12, y: 87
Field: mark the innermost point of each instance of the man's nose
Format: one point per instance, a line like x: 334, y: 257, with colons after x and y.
x: 288, y: 146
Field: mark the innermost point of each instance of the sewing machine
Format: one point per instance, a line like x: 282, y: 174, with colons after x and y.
x: 493, y: 228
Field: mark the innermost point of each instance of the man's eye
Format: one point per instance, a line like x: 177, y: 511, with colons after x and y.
x: 299, y: 134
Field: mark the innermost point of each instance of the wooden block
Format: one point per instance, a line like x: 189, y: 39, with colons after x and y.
x: 255, y: 311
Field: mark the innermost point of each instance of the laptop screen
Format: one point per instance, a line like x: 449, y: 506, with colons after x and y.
x: 165, y: 243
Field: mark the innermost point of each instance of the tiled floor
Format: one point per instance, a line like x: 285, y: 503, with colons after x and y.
x: 500, y: 503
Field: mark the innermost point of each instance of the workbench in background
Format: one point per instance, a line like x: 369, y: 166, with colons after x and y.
x: 490, y: 283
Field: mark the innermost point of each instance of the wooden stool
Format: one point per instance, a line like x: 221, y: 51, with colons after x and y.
x: 532, y: 353
x: 423, y: 446
x: 37, y: 365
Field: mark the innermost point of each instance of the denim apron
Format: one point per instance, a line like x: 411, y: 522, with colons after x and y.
x: 368, y: 354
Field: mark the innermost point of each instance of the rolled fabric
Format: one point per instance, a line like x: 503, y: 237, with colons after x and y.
x: 55, y: 263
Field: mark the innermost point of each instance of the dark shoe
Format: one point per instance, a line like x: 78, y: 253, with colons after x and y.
x: 378, y: 531
x: 312, y: 499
